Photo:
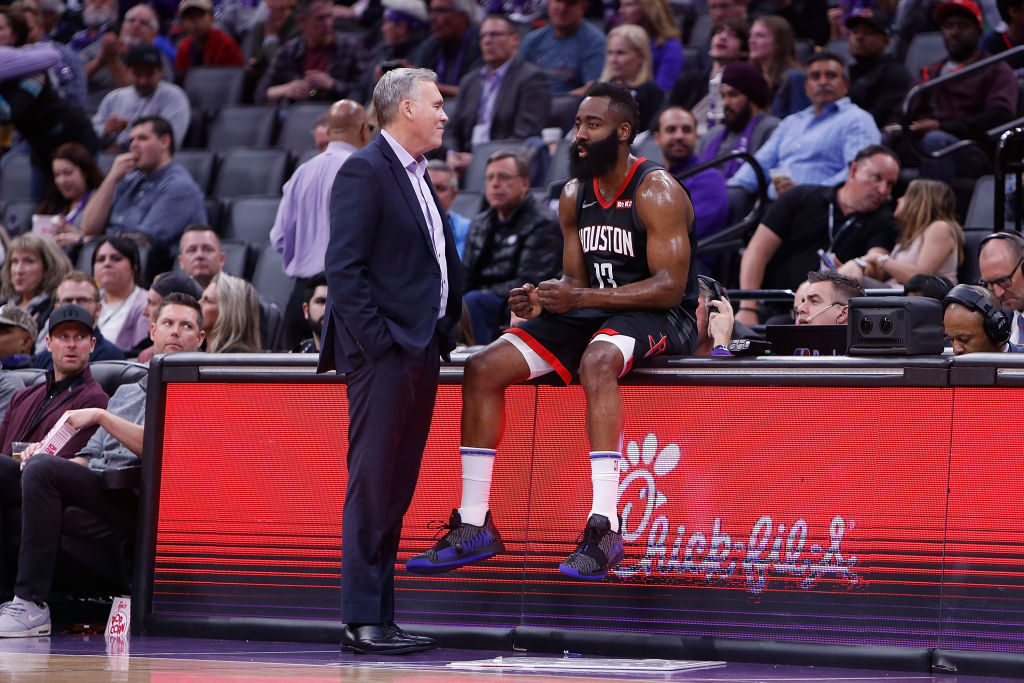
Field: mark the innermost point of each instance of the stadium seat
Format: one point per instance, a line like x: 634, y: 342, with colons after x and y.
x: 968, y: 272
x: 199, y: 163
x: 111, y: 374
x: 700, y: 32
x: 474, y: 178
x: 269, y: 279
x: 251, y: 172
x: 648, y: 149
x: 271, y: 325
x: 306, y: 156
x: 840, y: 47
x: 16, y: 178
x: 211, y: 87
x: 30, y: 376
x: 241, y: 126
x: 105, y: 160
x: 18, y: 215
x: 924, y: 49
x: 981, y: 210
x: 83, y: 262
x: 250, y: 219
x: 214, y: 213
x: 297, y: 128
x: 563, y: 111
x: 558, y: 169
x: 468, y: 203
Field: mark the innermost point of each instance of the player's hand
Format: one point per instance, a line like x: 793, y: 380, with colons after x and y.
x: 557, y: 296
x: 524, y: 302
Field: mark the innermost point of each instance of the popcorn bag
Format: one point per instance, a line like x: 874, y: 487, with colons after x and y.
x: 57, y: 437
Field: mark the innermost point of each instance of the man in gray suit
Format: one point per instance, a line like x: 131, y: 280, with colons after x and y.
x: 506, y: 99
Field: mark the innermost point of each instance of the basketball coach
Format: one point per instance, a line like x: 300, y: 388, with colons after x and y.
x: 395, y: 285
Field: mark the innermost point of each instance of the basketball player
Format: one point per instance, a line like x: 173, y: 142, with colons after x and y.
x: 628, y: 294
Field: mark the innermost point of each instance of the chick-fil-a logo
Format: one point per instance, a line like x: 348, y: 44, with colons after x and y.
x: 771, y: 548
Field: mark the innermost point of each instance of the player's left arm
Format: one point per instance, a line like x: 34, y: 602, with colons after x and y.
x: 666, y: 213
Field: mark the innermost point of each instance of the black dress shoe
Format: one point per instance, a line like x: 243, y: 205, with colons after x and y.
x: 378, y: 639
x: 398, y: 630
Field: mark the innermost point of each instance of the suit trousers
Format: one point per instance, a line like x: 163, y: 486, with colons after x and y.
x: 390, y: 403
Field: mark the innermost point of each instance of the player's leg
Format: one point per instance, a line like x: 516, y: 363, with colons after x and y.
x: 608, y: 357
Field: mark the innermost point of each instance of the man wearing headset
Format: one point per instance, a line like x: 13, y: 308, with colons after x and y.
x: 826, y: 298
x: 1000, y: 257
x: 975, y: 322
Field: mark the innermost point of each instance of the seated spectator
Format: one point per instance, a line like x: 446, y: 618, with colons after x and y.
x: 846, y: 221
x: 699, y: 88
x: 10, y: 384
x: 266, y: 35
x: 964, y: 109
x: 163, y: 286
x: 200, y: 254
x: 745, y: 126
x: 714, y: 319
x: 75, y: 177
x: 69, y: 385
x: 773, y: 51
x: 148, y: 95
x: 1012, y: 13
x: 68, y: 74
x: 974, y: 322
x: 116, y: 267
x: 506, y: 99
x: 808, y: 18
x: 675, y: 131
x: 34, y: 267
x: 77, y: 482
x: 80, y: 289
x: 815, y: 146
x: 59, y: 22
x: 878, y: 81
x: 1000, y: 257
x: 446, y: 185
x: 404, y: 27
x: 231, y: 311
x: 931, y: 240
x: 452, y: 49
x: 826, y: 299
x: 657, y: 19
x: 105, y: 64
x: 517, y: 240
x: 313, y: 308
x: 33, y: 105
x: 569, y: 50
x: 932, y: 286
x: 628, y: 62
x: 204, y: 44
x: 318, y: 65
x: 146, y: 193
x: 99, y: 18
x: 18, y: 332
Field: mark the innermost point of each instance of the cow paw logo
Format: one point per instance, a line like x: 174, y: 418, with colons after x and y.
x: 639, y: 494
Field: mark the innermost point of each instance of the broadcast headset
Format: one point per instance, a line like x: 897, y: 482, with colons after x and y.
x: 996, y: 323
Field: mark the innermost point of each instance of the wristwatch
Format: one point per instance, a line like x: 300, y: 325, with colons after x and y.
x: 861, y: 262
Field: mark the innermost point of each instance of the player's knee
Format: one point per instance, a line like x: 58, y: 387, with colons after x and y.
x: 482, y: 371
x: 601, y: 364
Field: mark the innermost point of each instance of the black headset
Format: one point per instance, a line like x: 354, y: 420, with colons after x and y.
x: 720, y: 293
x: 1012, y: 236
x: 996, y: 323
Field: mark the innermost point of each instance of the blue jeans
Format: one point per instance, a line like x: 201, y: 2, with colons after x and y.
x: 485, y: 311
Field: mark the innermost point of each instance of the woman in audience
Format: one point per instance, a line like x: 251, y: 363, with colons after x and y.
x: 231, y: 315
x: 773, y: 50
x: 34, y: 267
x: 117, y: 268
x: 75, y: 176
x: 656, y: 17
x: 931, y: 241
x: 628, y: 61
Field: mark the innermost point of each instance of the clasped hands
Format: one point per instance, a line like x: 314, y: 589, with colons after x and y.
x: 554, y: 295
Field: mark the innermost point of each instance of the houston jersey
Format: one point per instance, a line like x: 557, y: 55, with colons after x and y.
x: 613, y: 240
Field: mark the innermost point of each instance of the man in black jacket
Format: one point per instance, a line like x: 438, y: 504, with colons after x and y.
x: 516, y: 240
x: 878, y: 81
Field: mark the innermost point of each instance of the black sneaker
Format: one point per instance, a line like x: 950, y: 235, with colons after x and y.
x: 462, y: 545
x: 598, y: 551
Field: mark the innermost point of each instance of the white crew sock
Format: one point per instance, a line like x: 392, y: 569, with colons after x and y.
x: 477, y: 465
x: 604, y: 473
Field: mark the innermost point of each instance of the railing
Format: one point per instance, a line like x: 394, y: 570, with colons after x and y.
x: 1002, y: 165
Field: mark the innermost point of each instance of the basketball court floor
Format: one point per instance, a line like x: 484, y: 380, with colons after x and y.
x: 87, y: 658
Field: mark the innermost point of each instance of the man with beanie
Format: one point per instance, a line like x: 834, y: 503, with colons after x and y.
x: 745, y: 123
x: 878, y: 81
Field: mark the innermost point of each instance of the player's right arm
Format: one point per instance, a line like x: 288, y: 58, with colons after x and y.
x: 759, y: 251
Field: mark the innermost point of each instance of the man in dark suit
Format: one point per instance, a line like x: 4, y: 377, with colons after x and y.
x: 508, y: 99
x: 395, y: 296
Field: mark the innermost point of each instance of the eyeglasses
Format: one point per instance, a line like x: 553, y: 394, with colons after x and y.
x: 80, y: 300
x: 1005, y: 281
x: 494, y: 34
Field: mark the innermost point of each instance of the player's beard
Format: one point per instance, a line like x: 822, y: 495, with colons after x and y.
x: 601, y: 157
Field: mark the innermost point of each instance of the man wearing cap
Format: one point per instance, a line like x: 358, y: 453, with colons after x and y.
x: 745, y: 124
x: 18, y: 331
x: 69, y: 385
x: 507, y: 99
x: 80, y: 289
x: 963, y: 109
x: 42, y: 488
x: 675, y: 132
x: 205, y: 45
x: 569, y: 49
x: 878, y: 81
x: 149, y: 95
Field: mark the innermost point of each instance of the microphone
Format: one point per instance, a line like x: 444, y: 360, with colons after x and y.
x: 808, y: 319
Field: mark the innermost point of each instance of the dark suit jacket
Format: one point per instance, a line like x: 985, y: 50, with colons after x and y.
x: 382, y: 275
x: 520, y: 110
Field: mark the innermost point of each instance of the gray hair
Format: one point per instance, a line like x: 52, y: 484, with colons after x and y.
x: 393, y: 87
x: 438, y: 165
x: 468, y: 7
